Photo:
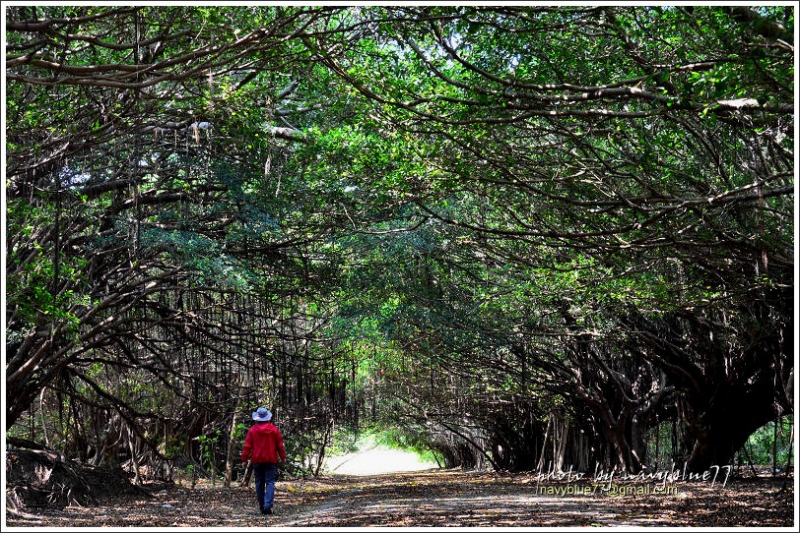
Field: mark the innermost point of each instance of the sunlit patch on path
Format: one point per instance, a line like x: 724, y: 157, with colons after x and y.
x: 377, y: 460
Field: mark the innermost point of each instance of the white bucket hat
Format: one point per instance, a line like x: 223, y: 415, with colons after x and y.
x: 262, y: 415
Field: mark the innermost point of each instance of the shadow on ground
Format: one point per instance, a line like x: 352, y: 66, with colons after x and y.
x: 438, y: 498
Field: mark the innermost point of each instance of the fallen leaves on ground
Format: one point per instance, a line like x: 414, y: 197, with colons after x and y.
x: 435, y: 498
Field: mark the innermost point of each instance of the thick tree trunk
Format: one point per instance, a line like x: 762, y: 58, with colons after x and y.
x: 231, y: 448
x: 619, y: 451
x: 730, y: 417
x: 323, y: 446
x: 233, y: 438
x: 18, y: 400
x: 134, y: 456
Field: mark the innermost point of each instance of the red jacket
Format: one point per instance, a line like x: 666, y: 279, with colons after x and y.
x: 265, y: 442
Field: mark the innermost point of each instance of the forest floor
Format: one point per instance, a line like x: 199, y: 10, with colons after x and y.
x: 440, y: 498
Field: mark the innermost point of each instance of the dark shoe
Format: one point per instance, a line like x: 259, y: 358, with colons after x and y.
x: 267, y: 511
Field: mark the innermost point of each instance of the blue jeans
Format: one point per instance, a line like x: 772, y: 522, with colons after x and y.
x: 265, y: 474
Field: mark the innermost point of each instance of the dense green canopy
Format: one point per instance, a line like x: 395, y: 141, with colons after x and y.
x: 491, y: 228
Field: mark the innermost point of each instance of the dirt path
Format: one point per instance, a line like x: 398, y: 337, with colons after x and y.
x: 437, y: 498
x: 375, y: 460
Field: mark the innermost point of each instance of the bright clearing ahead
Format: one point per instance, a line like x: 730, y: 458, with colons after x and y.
x: 377, y: 460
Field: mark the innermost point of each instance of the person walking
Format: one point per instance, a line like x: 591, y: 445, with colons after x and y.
x: 263, y: 445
